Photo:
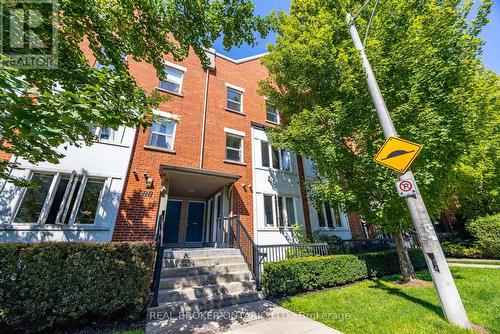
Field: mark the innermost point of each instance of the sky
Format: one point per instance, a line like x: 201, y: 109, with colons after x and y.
x: 490, y: 34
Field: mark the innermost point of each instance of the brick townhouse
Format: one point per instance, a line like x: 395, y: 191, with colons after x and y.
x: 205, y: 157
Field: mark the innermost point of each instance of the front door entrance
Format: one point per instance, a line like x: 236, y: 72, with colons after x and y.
x: 184, y: 223
x: 195, y: 219
x: 172, y: 222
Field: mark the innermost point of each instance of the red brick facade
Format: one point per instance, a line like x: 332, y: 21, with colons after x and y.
x: 137, y: 215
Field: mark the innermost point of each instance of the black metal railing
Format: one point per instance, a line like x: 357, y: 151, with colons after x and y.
x: 155, y: 286
x: 234, y: 234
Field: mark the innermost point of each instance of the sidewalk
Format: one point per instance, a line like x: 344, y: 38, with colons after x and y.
x: 262, y: 317
x: 474, y: 263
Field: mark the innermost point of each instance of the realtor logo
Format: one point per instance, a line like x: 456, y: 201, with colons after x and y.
x: 28, y: 34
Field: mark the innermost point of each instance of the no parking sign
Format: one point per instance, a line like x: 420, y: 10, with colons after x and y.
x: 406, y: 188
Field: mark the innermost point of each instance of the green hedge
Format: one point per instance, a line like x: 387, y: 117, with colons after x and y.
x: 486, y: 234
x: 290, y: 277
x: 49, y: 285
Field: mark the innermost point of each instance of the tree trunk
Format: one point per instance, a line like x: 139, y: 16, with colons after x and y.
x: 404, y: 258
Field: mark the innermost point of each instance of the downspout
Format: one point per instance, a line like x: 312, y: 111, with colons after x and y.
x: 205, y: 102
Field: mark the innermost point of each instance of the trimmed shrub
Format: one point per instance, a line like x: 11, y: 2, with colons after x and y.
x: 486, y: 234
x: 290, y: 277
x: 50, y: 285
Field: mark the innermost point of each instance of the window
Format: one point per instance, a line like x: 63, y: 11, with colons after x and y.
x: 264, y: 151
x: 34, y: 198
x: 272, y: 115
x: 173, y: 79
x: 107, y: 134
x: 100, y: 66
x: 284, y: 216
x: 268, y: 210
x: 280, y: 159
x: 234, y: 100
x: 234, y: 148
x: 163, y: 133
x: 329, y: 215
x: 61, y: 199
x: 286, y: 211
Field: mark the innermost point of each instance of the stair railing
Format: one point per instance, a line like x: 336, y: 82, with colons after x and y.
x: 155, y: 286
x: 237, y: 236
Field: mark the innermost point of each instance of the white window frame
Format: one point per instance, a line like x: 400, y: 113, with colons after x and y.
x: 284, y: 212
x: 332, y: 213
x: 280, y: 158
x: 119, y: 133
x: 235, y: 134
x: 277, y: 115
x: 64, y: 206
x: 238, y: 90
x: 273, y: 207
x: 171, y: 79
x: 172, y: 119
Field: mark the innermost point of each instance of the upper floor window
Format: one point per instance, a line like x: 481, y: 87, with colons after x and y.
x: 272, y: 115
x: 279, y: 159
x: 163, y: 133
x: 172, y: 81
x: 329, y: 216
x: 234, y: 148
x: 100, y: 66
x: 234, y: 98
x: 108, y: 134
x: 61, y: 199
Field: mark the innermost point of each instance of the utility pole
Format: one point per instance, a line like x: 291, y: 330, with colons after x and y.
x: 436, y: 262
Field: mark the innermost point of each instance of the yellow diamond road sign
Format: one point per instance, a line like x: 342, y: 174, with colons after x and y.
x: 398, y: 154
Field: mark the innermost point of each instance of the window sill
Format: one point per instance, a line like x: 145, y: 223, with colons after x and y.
x: 269, y: 169
x: 36, y: 227
x: 159, y: 149
x: 330, y: 229
x: 275, y: 229
x: 234, y: 162
x: 169, y: 92
x: 235, y: 111
x: 111, y: 143
x: 271, y: 122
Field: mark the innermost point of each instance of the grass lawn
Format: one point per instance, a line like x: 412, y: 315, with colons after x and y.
x: 383, y: 306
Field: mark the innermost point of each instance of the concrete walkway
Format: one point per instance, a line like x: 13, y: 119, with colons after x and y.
x: 473, y: 265
x: 262, y: 317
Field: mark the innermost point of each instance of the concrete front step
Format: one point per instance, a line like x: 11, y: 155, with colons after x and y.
x: 201, y: 252
x: 211, y: 290
x: 206, y: 279
x: 172, y: 309
x: 201, y: 270
x: 202, y: 261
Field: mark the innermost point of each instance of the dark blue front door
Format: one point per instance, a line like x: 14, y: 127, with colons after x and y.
x: 196, y: 213
x: 172, y: 222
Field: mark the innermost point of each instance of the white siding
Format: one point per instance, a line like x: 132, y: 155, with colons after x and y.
x: 269, y: 181
x: 108, y: 160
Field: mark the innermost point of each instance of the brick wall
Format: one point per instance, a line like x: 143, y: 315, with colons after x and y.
x: 137, y: 215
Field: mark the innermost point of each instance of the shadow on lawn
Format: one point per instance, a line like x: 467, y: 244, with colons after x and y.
x: 400, y: 293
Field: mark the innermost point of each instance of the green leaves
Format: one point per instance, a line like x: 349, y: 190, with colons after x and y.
x: 425, y: 57
x: 43, y: 109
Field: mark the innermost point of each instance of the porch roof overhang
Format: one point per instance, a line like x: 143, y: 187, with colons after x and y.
x: 195, y: 182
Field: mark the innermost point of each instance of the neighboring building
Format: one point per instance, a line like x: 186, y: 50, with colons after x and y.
x: 76, y: 200
x: 205, y: 157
